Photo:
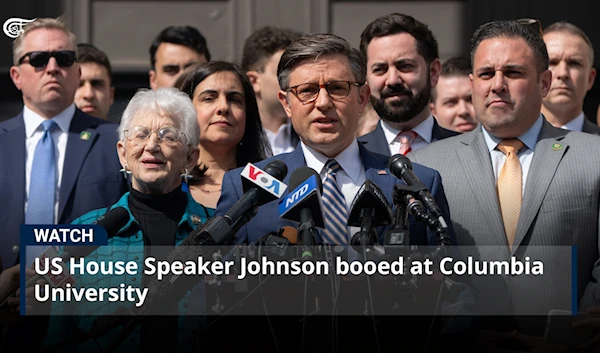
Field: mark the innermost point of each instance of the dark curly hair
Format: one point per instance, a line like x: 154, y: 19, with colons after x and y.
x: 263, y: 43
x: 254, y: 141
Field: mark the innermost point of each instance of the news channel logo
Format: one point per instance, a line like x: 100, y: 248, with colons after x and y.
x: 13, y: 27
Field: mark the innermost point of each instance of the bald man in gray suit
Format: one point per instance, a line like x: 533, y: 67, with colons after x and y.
x: 557, y: 178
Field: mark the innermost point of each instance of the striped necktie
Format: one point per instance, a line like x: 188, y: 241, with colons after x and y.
x: 336, y: 215
x: 406, y: 138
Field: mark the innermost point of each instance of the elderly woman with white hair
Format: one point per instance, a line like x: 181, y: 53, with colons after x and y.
x: 158, y: 139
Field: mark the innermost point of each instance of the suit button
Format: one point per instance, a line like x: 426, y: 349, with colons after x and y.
x: 15, y: 249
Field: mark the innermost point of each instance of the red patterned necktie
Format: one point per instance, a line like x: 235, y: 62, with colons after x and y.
x: 406, y: 138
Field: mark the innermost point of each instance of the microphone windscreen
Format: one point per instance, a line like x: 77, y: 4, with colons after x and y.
x: 290, y: 233
x: 300, y: 175
x: 397, y: 162
x: 113, y: 220
x: 277, y: 169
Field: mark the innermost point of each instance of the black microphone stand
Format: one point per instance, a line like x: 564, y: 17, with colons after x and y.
x: 406, y: 204
x: 366, y: 238
x: 307, y: 235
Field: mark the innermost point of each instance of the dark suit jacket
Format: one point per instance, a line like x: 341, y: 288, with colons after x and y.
x: 267, y: 218
x: 376, y: 142
x: 90, y: 179
x: 590, y: 127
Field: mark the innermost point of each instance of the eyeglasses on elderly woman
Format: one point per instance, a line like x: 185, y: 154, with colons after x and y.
x: 167, y: 135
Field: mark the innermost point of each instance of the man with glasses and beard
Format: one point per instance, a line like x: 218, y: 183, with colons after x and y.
x: 402, y: 67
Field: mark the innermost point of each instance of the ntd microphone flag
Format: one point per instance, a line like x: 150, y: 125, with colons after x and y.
x: 264, y: 180
x: 306, y: 194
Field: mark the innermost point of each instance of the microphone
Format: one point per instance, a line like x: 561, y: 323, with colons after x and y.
x: 369, y: 209
x: 220, y: 230
x: 401, y: 167
x: 303, y: 205
x: 259, y: 187
x: 278, y: 242
x: 112, y: 221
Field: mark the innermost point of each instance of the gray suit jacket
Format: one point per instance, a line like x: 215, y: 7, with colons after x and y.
x: 560, y: 208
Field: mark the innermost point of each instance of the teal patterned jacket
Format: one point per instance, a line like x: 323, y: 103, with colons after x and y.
x: 126, y: 245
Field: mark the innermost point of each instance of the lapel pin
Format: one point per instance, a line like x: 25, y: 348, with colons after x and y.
x: 556, y: 146
x: 85, y: 135
x: 381, y: 172
x: 196, y: 219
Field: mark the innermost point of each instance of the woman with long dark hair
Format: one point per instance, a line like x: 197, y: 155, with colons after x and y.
x: 231, y: 134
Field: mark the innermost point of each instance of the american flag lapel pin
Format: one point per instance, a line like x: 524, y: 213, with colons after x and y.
x: 382, y: 172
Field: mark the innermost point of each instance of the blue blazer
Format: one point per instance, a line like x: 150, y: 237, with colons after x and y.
x: 376, y: 142
x: 90, y: 179
x: 267, y: 218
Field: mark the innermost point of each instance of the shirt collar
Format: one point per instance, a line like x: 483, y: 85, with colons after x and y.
x: 575, y: 124
x: 529, y: 138
x: 424, y: 129
x: 33, y: 120
x: 348, y: 159
x: 283, y: 129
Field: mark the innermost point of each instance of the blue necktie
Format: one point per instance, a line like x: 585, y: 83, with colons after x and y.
x: 336, y: 215
x: 42, y: 182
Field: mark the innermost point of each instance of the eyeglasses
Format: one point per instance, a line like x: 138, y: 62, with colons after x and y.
x: 167, y: 135
x: 531, y: 22
x: 337, y: 90
x: 37, y: 59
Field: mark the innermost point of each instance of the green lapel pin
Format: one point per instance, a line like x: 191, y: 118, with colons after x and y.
x: 85, y: 135
x: 556, y: 146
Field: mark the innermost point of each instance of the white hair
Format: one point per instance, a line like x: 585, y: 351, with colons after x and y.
x: 164, y: 101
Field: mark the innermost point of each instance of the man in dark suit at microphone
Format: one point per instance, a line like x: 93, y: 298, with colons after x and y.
x: 323, y: 92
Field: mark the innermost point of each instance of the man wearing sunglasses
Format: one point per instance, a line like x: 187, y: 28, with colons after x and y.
x: 56, y: 163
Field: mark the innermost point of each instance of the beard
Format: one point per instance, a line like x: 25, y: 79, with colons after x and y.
x: 404, y: 110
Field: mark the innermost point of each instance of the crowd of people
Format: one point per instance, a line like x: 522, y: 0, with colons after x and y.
x: 499, y: 139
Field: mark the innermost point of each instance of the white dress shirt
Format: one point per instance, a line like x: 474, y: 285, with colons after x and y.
x: 281, y: 141
x: 575, y: 124
x: 529, y: 139
x: 349, y: 179
x: 424, y: 131
x: 33, y: 134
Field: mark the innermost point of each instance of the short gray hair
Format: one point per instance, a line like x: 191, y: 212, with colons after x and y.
x: 566, y: 27
x: 312, y: 46
x: 164, y: 101
x: 45, y: 23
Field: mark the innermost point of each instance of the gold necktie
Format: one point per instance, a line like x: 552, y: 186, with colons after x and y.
x: 510, y: 186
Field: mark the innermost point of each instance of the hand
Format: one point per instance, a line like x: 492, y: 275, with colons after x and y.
x: 13, y: 300
x: 9, y: 281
